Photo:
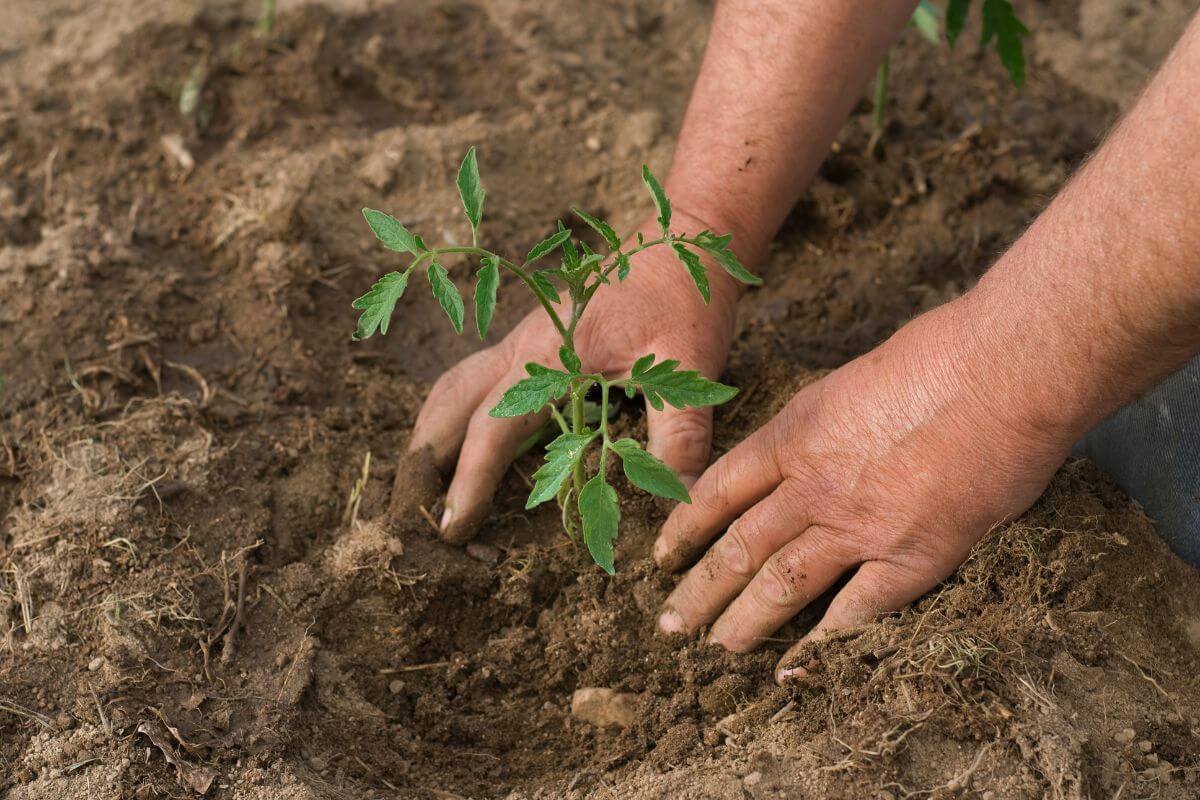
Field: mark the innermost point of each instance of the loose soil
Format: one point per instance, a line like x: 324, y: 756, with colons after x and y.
x: 186, y: 605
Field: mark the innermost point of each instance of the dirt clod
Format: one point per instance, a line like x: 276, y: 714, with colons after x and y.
x: 604, y: 707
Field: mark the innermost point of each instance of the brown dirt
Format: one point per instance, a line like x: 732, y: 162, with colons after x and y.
x: 184, y: 417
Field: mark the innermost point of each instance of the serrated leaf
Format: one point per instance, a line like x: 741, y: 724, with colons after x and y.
x: 393, y: 235
x: 378, y: 304
x: 533, y: 393
x: 546, y: 246
x: 487, y: 281
x: 601, y: 227
x: 956, y: 18
x: 543, y: 282
x: 561, y: 457
x: 661, y: 203
x: 1000, y: 22
x: 601, y: 517
x: 680, y: 388
x: 691, y: 262
x: 447, y: 294
x: 926, y: 20
x: 570, y: 256
x: 470, y: 190
x: 718, y: 248
x: 570, y: 360
x: 647, y: 472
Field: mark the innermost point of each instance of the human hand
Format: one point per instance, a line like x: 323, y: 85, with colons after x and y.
x: 656, y: 309
x: 894, y: 465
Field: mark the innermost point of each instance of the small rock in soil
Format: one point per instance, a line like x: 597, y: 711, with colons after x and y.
x: 604, y: 708
x: 483, y: 552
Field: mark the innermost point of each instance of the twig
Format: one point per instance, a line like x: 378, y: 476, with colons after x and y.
x: 429, y: 518
x: 414, y: 667
x: 229, y: 644
x: 21, y: 711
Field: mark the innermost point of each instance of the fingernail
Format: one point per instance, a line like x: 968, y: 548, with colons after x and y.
x: 660, y: 550
x: 670, y: 622
x: 447, y: 518
x: 688, y: 481
x: 790, y: 674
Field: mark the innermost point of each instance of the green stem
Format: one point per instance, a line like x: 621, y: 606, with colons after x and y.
x: 881, y: 94
x: 577, y: 424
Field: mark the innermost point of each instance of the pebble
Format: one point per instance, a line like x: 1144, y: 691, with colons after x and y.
x: 1145, y: 745
x: 96, y: 663
x: 484, y: 552
x: 753, y: 779
x: 604, y: 707
x: 1125, y: 737
x: 396, y: 687
x: 593, y: 143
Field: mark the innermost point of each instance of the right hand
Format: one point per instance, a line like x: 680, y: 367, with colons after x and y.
x: 656, y: 309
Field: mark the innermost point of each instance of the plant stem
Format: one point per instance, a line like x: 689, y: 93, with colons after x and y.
x: 878, y: 114
x: 266, y: 18
x: 577, y: 423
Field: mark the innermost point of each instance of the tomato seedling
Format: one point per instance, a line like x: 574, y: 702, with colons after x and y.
x: 587, y: 501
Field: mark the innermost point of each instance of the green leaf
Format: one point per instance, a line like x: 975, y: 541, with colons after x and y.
x: 622, y: 266
x: 543, y: 282
x: 680, y: 388
x: 447, y: 294
x: 486, y: 283
x: 561, y: 457
x: 925, y: 19
x: 570, y: 256
x: 533, y: 393
x: 692, y: 262
x: 470, y: 189
x: 393, y: 235
x: 1000, y: 21
x: 956, y: 17
x: 378, y: 304
x: 661, y: 203
x: 647, y: 472
x: 570, y: 360
x: 601, y: 516
x: 601, y: 227
x: 718, y: 248
x: 546, y: 246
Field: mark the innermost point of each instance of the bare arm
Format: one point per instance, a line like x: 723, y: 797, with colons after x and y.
x: 777, y: 82
x: 893, y: 466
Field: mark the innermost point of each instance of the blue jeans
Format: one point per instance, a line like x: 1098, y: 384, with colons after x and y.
x: 1151, y: 448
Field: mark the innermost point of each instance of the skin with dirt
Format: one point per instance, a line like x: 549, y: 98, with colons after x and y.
x: 191, y: 604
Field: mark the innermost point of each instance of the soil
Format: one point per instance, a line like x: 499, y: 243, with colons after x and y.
x: 190, y: 604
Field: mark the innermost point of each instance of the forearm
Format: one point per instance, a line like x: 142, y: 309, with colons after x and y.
x: 777, y: 82
x: 1100, y: 299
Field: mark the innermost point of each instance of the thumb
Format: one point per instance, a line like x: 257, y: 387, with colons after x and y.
x: 681, y: 438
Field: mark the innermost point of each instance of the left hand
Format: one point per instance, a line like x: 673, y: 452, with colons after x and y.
x: 893, y: 466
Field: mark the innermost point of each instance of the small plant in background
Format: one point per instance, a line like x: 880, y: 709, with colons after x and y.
x: 1000, y: 23
x: 588, y: 502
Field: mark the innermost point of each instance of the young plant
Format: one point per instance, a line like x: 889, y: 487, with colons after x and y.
x: 587, y: 500
x: 1000, y: 22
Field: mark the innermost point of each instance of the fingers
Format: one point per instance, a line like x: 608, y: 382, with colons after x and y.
x: 737, y: 481
x: 789, y: 580
x: 681, y: 438
x: 442, y: 421
x: 487, y: 451
x: 731, y: 563
x: 877, y: 588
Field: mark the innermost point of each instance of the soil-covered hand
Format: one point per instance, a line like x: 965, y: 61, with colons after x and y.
x: 891, y: 467
x: 656, y: 309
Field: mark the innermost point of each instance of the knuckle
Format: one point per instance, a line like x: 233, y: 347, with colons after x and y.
x: 690, y: 435
x: 733, y: 555
x: 782, y: 581
x: 712, y: 494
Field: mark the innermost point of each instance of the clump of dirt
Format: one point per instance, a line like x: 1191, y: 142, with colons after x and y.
x: 194, y: 601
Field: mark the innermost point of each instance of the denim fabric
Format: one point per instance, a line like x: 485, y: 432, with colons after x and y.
x: 1151, y: 448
